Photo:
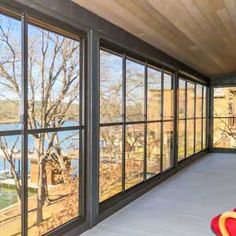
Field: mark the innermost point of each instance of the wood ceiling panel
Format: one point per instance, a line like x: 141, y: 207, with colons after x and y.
x: 200, y: 33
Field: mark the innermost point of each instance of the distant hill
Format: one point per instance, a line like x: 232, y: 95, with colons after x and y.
x: 10, y: 111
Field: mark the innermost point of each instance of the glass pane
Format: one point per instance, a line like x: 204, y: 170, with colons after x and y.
x: 54, y: 81
x: 190, y: 100
x: 154, y: 95
x: 224, y: 102
x: 199, y: 100
x: 134, y: 155
x: 168, y: 97
x: 204, y: 134
x: 153, y: 149
x: 198, y: 136
x: 10, y: 190
x: 167, y: 144
x: 181, y: 140
x: 110, y: 176
x: 224, y: 135
x: 134, y: 91
x: 110, y: 87
x: 10, y: 73
x: 182, y: 93
x: 53, y: 180
x: 204, y: 101
x: 190, y: 137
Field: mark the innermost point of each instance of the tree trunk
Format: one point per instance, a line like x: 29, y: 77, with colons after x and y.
x: 17, y: 181
x: 41, y: 191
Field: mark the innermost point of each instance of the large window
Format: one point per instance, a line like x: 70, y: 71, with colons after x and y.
x: 191, y: 118
x: 224, y: 117
x: 53, y: 132
x: 136, y: 123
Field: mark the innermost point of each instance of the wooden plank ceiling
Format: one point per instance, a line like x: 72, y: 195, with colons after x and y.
x: 200, y: 33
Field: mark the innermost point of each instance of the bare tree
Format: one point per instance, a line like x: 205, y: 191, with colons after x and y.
x: 57, y: 82
x: 53, y: 78
x: 227, y: 128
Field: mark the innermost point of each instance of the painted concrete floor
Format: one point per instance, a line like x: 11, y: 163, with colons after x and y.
x: 180, y: 206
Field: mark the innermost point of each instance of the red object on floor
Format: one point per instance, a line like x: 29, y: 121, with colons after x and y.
x: 230, y: 225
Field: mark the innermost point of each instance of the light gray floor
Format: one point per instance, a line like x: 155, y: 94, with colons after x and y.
x: 182, y: 205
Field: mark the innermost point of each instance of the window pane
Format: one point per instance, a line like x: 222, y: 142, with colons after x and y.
x: 204, y: 134
x: 134, y: 91
x: 154, y: 94
x: 182, y: 93
x: 134, y: 155
x: 198, y: 134
x: 224, y: 102
x: 110, y: 87
x: 54, y: 179
x: 53, y: 79
x: 167, y: 144
x: 204, y: 101
x: 10, y: 73
x: 224, y: 137
x: 198, y: 100
x: 190, y: 137
x: 153, y: 149
x: 10, y: 172
x: 110, y: 177
x: 190, y: 100
x: 168, y: 97
x: 181, y: 138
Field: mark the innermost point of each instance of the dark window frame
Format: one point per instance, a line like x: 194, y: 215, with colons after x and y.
x: 126, y: 56
x: 70, y: 32
x: 195, y: 117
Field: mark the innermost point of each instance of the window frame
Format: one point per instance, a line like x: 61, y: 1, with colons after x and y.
x: 24, y: 132
x: 195, y: 117
x: 126, y: 56
x: 213, y: 118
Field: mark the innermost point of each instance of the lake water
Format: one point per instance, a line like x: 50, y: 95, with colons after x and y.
x: 69, y: 140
